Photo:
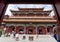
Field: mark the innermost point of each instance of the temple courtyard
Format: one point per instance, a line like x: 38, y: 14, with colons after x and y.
x: 36, y: 38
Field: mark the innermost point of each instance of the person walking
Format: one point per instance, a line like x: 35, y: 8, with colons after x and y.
x: 17, y: 36
x: 13, y: 32
x: 4, y: 30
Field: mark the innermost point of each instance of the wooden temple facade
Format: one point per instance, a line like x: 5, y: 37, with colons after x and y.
x: 30, y: 21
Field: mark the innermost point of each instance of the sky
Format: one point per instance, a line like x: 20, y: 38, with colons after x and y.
x: 15, y: 7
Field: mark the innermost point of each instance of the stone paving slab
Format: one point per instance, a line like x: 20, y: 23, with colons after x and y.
x: 41, y: 38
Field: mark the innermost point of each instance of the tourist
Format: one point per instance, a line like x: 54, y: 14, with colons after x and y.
x: 17, y: 36
x: 9, y: 34
x: 13, y: 32
x: 4, y: 30
x: 55, y: 34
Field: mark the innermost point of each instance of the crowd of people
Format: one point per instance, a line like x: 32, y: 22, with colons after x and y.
x: 16, y: 35
x: 13, y: 34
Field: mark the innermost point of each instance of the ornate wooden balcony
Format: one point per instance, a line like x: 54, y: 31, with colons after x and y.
x: 30, y: 19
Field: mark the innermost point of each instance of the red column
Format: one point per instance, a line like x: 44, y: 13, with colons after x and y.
x: 24, y: 29
x: 45, y: 30
x: 50, y: 30
x: 15, y: 29
x: 34, y: 30
x: 7, y: 30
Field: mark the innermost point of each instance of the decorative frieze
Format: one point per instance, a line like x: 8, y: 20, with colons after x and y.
x: 35, y: 25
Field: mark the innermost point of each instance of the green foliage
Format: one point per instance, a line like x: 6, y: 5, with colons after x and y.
x: 0, y: 32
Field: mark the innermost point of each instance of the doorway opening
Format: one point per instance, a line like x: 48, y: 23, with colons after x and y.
x: 40, y: 31
x: 21, y: 31
x: 30, y: 31
x: 13, y: 29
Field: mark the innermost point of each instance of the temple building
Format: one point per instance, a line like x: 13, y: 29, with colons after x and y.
x: 30, y: 21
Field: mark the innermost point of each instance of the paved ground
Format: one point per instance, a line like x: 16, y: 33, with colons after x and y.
x: 40, y: 38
